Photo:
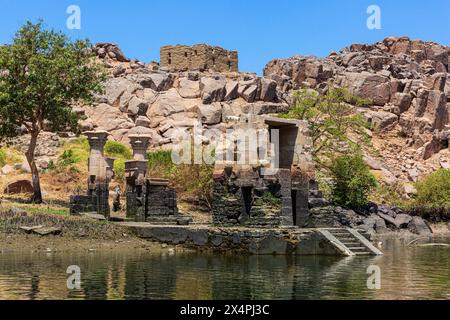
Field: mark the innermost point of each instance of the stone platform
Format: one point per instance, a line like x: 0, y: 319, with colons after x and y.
x: 277, y: 241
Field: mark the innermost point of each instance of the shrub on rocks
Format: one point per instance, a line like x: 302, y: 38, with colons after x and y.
x: 117, y: 150
x: 434, y: 190
x: 352, y: 181
x: 2, y: 158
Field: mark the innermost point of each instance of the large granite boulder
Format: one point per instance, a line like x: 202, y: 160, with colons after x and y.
x: 212, y: 89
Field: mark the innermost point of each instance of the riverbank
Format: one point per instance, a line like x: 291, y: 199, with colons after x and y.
x: 83, y: 234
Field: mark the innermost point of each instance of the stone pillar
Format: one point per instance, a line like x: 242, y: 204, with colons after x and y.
x: 98, y: 183
x: 140, y: 144
x: 287, y: 218
x: 136, y: 171
x: 301, y: 187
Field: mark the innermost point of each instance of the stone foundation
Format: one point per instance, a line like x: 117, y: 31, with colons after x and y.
x: 283, y: 241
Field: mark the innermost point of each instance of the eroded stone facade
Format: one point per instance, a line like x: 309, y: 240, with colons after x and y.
x: 274, y: 189
x: 198, y: 57
x: 100, y: 174
x: 148, y: 199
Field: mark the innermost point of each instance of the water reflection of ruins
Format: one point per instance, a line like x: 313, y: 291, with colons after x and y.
x: 124, y: 275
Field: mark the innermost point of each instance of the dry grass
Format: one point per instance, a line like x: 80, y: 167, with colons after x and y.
x: 75, y: 227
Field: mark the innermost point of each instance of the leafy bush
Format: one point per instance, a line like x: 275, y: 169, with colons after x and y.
x: 434, y: 190
x: 194, y: 181
x: 2, y: 158
x: 352, y: 181
x: 118, y: 150
x: 9, y: 156
x: 79, y: 149
x: 119, y: 170
x: 331, y: 118
x: 160, y: 163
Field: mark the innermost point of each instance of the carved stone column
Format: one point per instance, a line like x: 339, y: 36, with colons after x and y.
x: 98, y: 183
x: 136, y: 171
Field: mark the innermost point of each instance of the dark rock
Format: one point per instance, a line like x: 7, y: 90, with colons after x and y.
x: 420, y: 226
x: 19, y: 187
x: 272, y: 246
x: 318, y: 202
x: 199, y: 238
x: 402, y: 220
x: 48, y: 231
x: 389, y: 220
x: 17, y: 212
x: 93, y: 216
x: 30, y: 229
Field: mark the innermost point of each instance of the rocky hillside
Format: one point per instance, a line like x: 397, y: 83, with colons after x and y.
x: 148, y: 99
x: 408, y: 84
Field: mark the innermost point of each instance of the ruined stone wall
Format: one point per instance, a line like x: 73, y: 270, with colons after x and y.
x: 198, y: 57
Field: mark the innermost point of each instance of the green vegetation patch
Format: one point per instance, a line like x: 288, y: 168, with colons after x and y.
x: 352, y: 181
x: 118, y: 150
x: 434, y: 190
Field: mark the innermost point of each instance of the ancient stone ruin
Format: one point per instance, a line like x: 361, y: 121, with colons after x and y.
x: 267, y: 185
x: 148, y: 199
x: 200, y: 57
x: 100, y: 174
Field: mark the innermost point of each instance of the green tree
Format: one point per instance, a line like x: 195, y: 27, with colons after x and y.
x: 352, y: 181
x: 332, y: 117
x: 434, y: 190
x: 42, y: 74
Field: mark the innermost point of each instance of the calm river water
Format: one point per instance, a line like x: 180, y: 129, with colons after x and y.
x: 406, y: 273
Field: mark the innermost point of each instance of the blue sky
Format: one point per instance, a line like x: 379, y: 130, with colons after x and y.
x: 260, y: 30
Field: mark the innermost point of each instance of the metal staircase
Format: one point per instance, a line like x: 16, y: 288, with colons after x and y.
x: 350, y: 242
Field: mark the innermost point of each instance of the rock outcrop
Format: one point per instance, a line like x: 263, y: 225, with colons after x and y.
x: 153, y: 100
x: 407, y: 83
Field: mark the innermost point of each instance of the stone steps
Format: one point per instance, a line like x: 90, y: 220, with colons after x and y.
x: 350, y: 242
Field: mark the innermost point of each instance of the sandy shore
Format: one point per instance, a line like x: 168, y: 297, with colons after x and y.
x: 36, y: 243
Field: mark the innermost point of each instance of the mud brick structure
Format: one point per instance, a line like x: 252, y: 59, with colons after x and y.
x: 199, y: 57
x: 269, y: 188
x: 148, y: 200
x: 100, y: 174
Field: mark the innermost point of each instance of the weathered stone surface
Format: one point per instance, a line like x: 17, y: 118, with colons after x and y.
x: 402, y: 220
x: 403, y: 101
x: 169, y: 103
x: 137, y: 107
x: 436, y: 82
x: 420, y: 227
x: 48, y: 231
x: 210, y: 113
x: 108, y: 118
x: 142, y: 121
x: 30, y: 229
x: 231, y: 90
x: 114, y: 89
x: 372, y: 163
x: 213, y: 90
x: 370, y: 86
x: 7, y: 169
x: 436, y: 109
x: 250, y: 93
x: 198, y: 57
x: 19, y: 187
x: 268, y: 90
x: 189, y: 89
x: 157, y: 81
x: 381, y: 119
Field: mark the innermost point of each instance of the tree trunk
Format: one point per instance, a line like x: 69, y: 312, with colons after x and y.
x: 37, y: 197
